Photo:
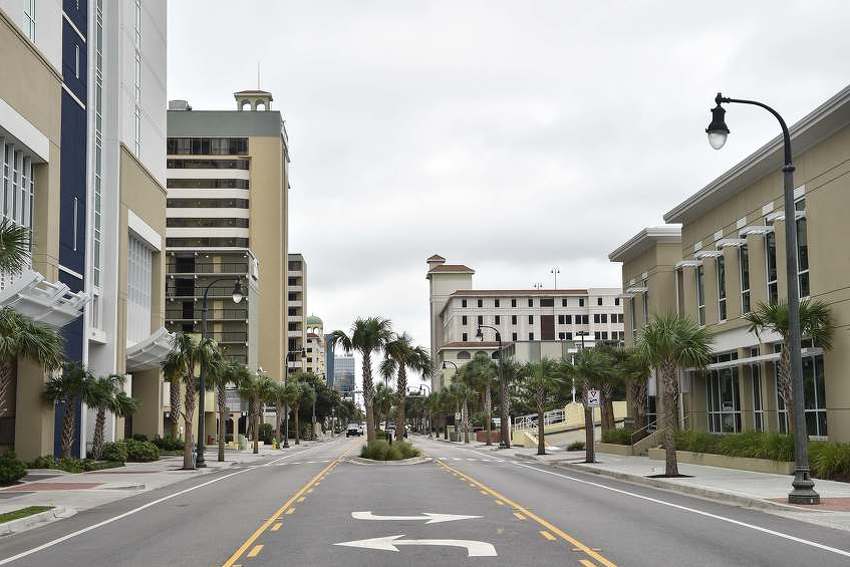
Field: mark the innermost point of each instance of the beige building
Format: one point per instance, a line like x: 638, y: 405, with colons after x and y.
x: 728, y: 257
x: 296, y: 329
x: 315, y: 347
x: 572, y: 316
x: 228, y: 181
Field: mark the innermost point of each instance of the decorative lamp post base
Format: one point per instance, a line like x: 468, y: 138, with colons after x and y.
x: 804, y: 489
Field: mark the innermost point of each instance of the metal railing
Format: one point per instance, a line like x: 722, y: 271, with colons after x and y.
x: 209, y: 268
x: 212, y: 314
x: 643, y: 431
x: 529, y: 422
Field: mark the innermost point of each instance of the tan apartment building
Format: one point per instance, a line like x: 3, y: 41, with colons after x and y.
x: 581, y: 317
x: 296, y: 328
x: 315, y: 360
x: 730, y: 257
x: 228, y: 181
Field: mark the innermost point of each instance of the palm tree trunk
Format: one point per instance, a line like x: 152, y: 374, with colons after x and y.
x: 446, y: 427
x: 488, y: 414
x: 175, y: 408
x: 465, y: 411
x: 608, y: 421
x: 188, y: 418
x: 541, y: 431
x: 368, y: 392
x: 638, y: 390
x: 589, y: 429
x: 278, y: 412
x: 401, y: 386
x: 671, y: 387
x: 297, y: 411
x: 222, y: 422
x: 8, y: 371
x: 68, y: 422
x: 97, y: 439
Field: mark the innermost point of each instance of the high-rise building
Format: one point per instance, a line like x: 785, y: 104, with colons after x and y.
x: 315, y: 346
x: 344, y: 374
x: 329, y: 360
x: 228, y: 181
x: 296, y: 330
x: 584, y: 316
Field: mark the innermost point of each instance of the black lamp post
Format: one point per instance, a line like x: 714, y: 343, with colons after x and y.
x: 237, y: 296
x: 303, y: 353
x: 446, y: 425
x: 504, y: 430
x: 803, y: 491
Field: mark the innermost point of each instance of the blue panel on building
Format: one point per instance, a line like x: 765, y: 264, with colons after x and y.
x: 72, y: 175
x: 77, y: 11
x: 74, y: 67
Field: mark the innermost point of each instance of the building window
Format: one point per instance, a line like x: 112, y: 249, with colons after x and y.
x: 581, y: 302
x: 480, y: 303
x: 531, y: 336
x: 208, y: 184
x: 531, y: 319
x: 560, y: 319
x: 480, y: 319
x: 29, y: 19
x: 770, y: 253
x: 604, y: 335
x: 802, y: 250
x: 633, y: 315
x: 513, y: 337
x: 185, y: 222
x: 744, y: 265
x: 77, y: 60
x: 721, y: 288
x: 464, y: 338
x: 645, y: 303
x: 18, y: 185
x: 139, y: 281
x: 561, y: 336
x: 616, y: 301
x: 568, y: 319
x: 596, y: 318
x: 598, y: 301
x: 564, y: 302
x: 569, y: 336
x: 242, y: 164
x: 758, y: 404
x: 463, y: 320
x: 497, y: 320
x: 603, y: 318
x: 531, y: 302
x: 463, y: 355
x: 700, y: 295
x: 207, y: 203
x: 596, y: 335
x: 137, y: 111
x: 97, y: 170
x: 207, y: 146
x: 513, y: 319
x: 513, y: 302
x: 463, y: 303
x: 496, y: 303
x: 723, y: 399
x: 815, y: 398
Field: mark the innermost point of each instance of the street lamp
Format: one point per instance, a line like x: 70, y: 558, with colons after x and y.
x: 538, y: 286
x: 555, y: 271
x: 303, y: 353
x: 237, y: 296
x: 504, y: 431
x: 803, y: 491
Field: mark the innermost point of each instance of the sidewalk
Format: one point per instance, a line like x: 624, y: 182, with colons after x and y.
x: 70, y: 493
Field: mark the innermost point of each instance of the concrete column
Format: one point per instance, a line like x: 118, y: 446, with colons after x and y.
x: 33, y: 416
x: 147, y: 389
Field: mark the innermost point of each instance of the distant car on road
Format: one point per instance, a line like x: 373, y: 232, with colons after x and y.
x: 354, y: 429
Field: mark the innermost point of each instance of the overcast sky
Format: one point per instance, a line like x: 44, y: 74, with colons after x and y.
x: 509, y: 136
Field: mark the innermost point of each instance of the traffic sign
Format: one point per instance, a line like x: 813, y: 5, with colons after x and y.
x: 593, y: 397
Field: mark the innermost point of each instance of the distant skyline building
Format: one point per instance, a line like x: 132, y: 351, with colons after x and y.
x: 296, y: 330
x: 315, y: 360
x: 329, y: 359
x: 344, y: 373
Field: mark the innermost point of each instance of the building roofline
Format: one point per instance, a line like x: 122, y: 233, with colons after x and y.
x: 813, y: 128
x: 644, y: 239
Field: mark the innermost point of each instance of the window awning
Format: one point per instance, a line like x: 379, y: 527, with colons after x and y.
x: 636, y: 289
x: 707, y: 254
x: 51, y: 303
x: 688, y: 264
x: 731, y: 242
x: 150, y: 352
x: 772, y: 357
x: 759, y: 230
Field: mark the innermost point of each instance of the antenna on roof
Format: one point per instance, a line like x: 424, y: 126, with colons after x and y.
x: 258, y: 74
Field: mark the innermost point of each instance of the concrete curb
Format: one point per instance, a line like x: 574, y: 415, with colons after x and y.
x: 402, y: 463
x: 705, y: 493
x: 30, y: 522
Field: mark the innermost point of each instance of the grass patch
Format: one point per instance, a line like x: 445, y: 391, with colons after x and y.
x: 380, y: 450
x: 23, y: 513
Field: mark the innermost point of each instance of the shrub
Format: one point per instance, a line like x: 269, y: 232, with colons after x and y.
x: 168, y: 443
x: 830, y: 460
x: 141, y: 451
x: 394, y: 453
x: 616, y: 436
x: 140, y: 437
x: 115, y: 451
x: 380, y: 450
x: 375, y: 450
x: 12, y: 469
x: 408, y: 451
x: 266, y: 433
x: 576, y: 446
x: 751, y: 444
x: 43, y: 462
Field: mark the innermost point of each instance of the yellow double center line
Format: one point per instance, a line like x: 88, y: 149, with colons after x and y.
x: 280, y: 511
x: 579, y: 546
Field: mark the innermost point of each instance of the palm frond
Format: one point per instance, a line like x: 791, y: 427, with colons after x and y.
x: 15, y: 243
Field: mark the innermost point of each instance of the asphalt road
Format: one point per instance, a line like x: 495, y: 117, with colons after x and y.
x: 296, y: 511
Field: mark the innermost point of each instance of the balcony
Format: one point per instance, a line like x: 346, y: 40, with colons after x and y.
x: 221, y: 290
x: 51, y: 303
x: 219, y: 269
x: 176, y: 314
x: 229, y: 337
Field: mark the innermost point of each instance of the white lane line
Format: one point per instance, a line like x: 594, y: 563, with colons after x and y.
x: 128, y: 513
x: 457, y: 459
x: 694, y: 511
x: 471, y: 460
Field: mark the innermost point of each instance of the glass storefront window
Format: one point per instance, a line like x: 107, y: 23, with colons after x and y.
x: 723, y: 398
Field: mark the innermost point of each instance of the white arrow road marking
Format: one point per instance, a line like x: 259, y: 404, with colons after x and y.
x: 391, y: 543
x: 432, y: 518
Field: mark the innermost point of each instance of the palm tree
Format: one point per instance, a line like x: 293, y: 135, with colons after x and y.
x: 106, y: 394
x: 461, y: 392
x: 172, y: 370
x: 608, y: 383
x: 542, y: 385
x: 401, y: 357
x: 367, y: 336
x: 634, y: 371
x: 224, y: 373
x: 257, y: 390
x: 15, y: 243
x: 69, y: 388
x: 481, y: 373
x: 382, y: 404
x: 277, y: 396
x: 669, y: 343
x: 292, y: 398
x: 815, y: 324
x: 590, y: 367
x: 23, y: 337
x: 189, y: 351
x: 308, y: 399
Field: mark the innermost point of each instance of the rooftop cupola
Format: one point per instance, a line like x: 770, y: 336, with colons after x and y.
x: 253, y: 100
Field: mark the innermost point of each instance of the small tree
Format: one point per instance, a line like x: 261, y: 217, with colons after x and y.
x: 224, y: 373
x: 634, y: 372
x: 256, y: 388
x: 106, y: 394
x: 669, y: 343
x: 402, y: 356
x: 542, y: 385
x: 815, y: 324
x: 382, y: 405
x: 74, y: 385
x: 591, y: 368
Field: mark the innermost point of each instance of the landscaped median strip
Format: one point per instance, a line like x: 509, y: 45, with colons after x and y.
x: 274, y: 519
x: 23, y: 513
x: 551, y: 529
